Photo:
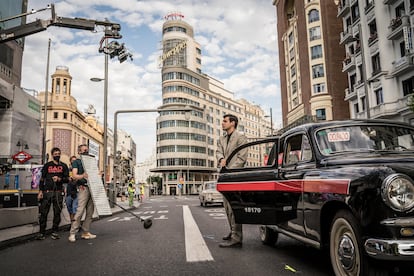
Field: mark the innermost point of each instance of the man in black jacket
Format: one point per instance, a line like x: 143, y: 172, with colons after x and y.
x: 54, y: 174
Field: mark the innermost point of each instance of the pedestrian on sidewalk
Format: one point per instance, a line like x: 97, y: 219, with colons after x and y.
x: 71, y: 193
x: 131, y: 194
x: 54, y: 174
x: 85, y: 202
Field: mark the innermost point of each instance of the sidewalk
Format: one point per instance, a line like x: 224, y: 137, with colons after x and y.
x: 18, y: 234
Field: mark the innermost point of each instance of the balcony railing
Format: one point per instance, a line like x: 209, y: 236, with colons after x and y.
x: 389, y: 2
x: 368, y: 7
x: 395, y: 22
x: 346, y: 36
x: 373, y: 37
x: 396, y: 27
x: 348, y: 63
x: 402, y: 65
x: 390, y: 108
x: 343, y: 8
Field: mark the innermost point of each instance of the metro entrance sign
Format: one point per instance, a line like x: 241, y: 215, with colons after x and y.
x: 22, y: 157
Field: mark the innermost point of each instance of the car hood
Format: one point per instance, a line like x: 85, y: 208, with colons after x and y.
x: 368, y: 158
x: 390, y: 163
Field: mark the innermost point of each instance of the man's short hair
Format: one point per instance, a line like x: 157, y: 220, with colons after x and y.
x: 80, y: 146
x: 55, y: 149
x: 232, y: 118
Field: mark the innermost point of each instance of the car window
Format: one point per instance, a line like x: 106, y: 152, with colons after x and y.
x: 261, y: 155
x: 364, y: 138
x: 297, y: 149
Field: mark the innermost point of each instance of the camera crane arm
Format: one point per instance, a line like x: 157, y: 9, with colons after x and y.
x: 39, y: 25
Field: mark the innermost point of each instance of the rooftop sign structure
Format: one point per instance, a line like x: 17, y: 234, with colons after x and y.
x: 174, y: 16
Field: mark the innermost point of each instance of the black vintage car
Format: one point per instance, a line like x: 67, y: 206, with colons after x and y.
x: 346, y: 186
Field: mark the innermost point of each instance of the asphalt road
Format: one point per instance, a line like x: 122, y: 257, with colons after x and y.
x: 183, y: 240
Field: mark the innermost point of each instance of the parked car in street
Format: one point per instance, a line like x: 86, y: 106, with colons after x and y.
x: 343, y: 186
x: 209, y: 195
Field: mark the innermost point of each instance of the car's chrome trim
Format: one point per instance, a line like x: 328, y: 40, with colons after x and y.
x: 390, y: 249
x: 400, y: 222
x: 297, y: 237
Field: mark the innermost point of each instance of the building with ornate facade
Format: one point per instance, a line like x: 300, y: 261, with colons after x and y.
x: 187, y: 141
x: 127, y: 154
x: 310, y: 61
x: 66, y: 126
x: 379, y: 61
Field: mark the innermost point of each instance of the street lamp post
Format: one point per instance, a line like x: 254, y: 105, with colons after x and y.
x: 105, y: 139
x: 43, y: 158
x: 271, y: 121
x: 187, y: 182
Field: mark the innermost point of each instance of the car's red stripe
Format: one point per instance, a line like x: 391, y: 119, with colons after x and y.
x: 334, y: 186
x: 337, y: 186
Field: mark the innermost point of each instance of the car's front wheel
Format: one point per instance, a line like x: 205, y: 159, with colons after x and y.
x: 268, y: 236
x: 346, y: 249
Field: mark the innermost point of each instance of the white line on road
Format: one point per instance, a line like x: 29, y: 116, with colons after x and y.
x: 195, y: 247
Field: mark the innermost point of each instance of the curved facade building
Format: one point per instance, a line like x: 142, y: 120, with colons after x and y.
x: 186, y: 142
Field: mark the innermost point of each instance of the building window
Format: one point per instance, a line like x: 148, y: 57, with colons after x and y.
x: 319, y: 88
x: 378, y: 96
x: 293, y: 70
x: 408, y: 86
x: 373, y: 35
x: 292, y: 54
x: 400, y: 10
x: 317, y: 71
x: 198, y: 50
x: 294, y: 87
x: 376, y: 64
x: 352, y: 81
x: 402, y: 49
x: 356, y: 108
x: 198, y: 60
x: 291, y: 39
x: 355, y: 12
x: 65, y: 86
x: 55, y: 115
x: 361, y: 74
x: 65, y: 115
x: 362, y: 99
x: 313, y: 16
x: 315, y: 33
x: 175, y: 29
x: 57, y: 86
x: 6, y: 56
x: 316, y: 51
x: 321, y: 114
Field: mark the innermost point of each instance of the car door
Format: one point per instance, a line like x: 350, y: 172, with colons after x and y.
x: 254, y: 192
x: 297, y: 163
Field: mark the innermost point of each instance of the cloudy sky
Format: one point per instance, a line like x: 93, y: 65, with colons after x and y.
x: 238, y: 41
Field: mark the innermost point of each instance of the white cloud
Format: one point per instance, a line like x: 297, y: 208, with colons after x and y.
x: 238, y: 44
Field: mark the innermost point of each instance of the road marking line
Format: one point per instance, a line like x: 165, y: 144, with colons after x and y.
x: 113, y: 219
x: 195, y: 247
